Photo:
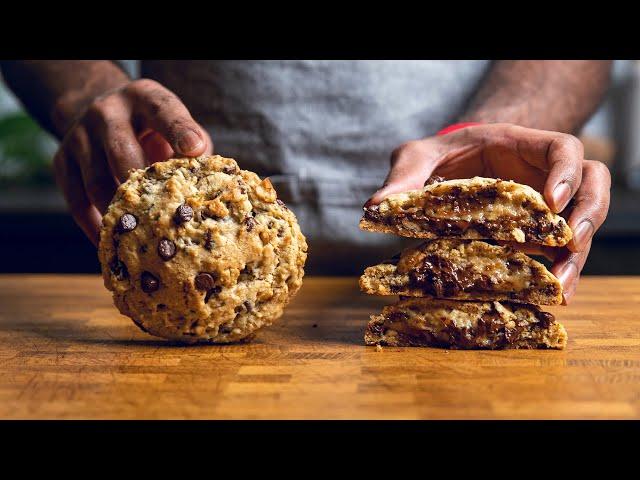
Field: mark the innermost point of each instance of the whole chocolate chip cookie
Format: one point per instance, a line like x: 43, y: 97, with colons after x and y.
x: 195, y: 249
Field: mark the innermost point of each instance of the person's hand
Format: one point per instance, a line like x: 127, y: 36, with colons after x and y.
x: 550, y: 162
x: 130, y: 127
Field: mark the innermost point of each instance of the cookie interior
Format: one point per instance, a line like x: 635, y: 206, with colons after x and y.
x: 465, y: 325
x: 477, y: 208
x: 464, y: 269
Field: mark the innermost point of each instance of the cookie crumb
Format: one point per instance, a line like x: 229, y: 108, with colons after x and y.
x: 378, y: 348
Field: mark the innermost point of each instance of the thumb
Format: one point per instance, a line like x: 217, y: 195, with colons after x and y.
x: 157, y: 149
x: 411, y: 165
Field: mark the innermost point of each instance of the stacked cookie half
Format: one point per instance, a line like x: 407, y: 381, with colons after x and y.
x: 465, y: 286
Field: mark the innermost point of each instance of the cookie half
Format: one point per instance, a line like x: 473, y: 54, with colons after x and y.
x: 419, y: 322
x: 464, y: 270
x: 475, y: 208
x: 196, y: 249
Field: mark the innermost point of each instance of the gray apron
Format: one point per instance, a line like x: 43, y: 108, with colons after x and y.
x: 323, y: 132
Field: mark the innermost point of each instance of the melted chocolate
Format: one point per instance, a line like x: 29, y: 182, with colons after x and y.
x: 490, y: 326
x: 441, y: 278
x: 537, y: 229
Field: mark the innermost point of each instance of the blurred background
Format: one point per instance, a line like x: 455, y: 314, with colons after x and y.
x: 37, y: 234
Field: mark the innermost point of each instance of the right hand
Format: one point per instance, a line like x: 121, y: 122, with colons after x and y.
x: 130, y: 127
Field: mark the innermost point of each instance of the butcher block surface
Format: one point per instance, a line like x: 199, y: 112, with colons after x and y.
x: 66, y: 353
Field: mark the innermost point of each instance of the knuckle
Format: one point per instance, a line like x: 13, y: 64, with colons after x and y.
x: 567, y: 140
x: 601, y: 170
x: 142, y: 85
x: 100, y: 106
x: 510, y: 130
x: 412, y: 147
x: 119, y: 150
x: 601, y: 208
x: 597, y: 207
x: 399, y: 151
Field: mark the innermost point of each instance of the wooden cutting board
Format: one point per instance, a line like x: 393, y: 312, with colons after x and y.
x: 65, y: 352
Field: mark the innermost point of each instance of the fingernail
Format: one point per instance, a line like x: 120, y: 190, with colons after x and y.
x: 190, y: 141
x: 566, y: 275
x: 582, y: 234
x: 368, y: 203
x: 561, y: 196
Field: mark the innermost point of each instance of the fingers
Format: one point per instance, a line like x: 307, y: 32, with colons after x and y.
x: 159, y: 109
x: 557, y: 153
x: 567, y: 268
x: 207, y: 139
x: 103, y: 146
x: 591, y: 204
x: 69, y: 180
x: 411, y: 164
x: 97, y: 179
x: 156, y: 148
x: 119, y: 142
x: 565, y: 158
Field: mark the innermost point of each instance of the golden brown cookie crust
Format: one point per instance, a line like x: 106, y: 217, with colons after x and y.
x: 464, y: 270
x: 464, y: 325
x: 195, y: 249
x: 475, y: 208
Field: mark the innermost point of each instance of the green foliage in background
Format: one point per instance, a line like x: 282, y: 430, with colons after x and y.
x: 26, y: 152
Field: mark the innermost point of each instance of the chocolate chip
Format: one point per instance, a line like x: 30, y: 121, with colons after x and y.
x: 118, y: 269
x: 166, y: 249
x: 148, y: 282
x: 209, y: 243
x: 546, y: 319
x: 127, y: 223
x: 184, y: 213
x: 399, y: 317
x: 249, y: 222
x: 204, y: 281
x: 281, y: 203
x: 230, y: 170
x: 490, y: 193
x: 433, y: 179
x: 248, y: 306
x: 226, y: 328
x: 214, y: 291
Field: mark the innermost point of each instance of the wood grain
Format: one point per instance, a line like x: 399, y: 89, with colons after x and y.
x: 65, y: 352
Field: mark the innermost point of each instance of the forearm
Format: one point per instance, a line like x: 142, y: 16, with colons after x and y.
x: 554, y: 95
x: 56, y: 92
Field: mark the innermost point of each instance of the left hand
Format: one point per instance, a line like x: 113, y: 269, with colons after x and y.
x: 552, y: 163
